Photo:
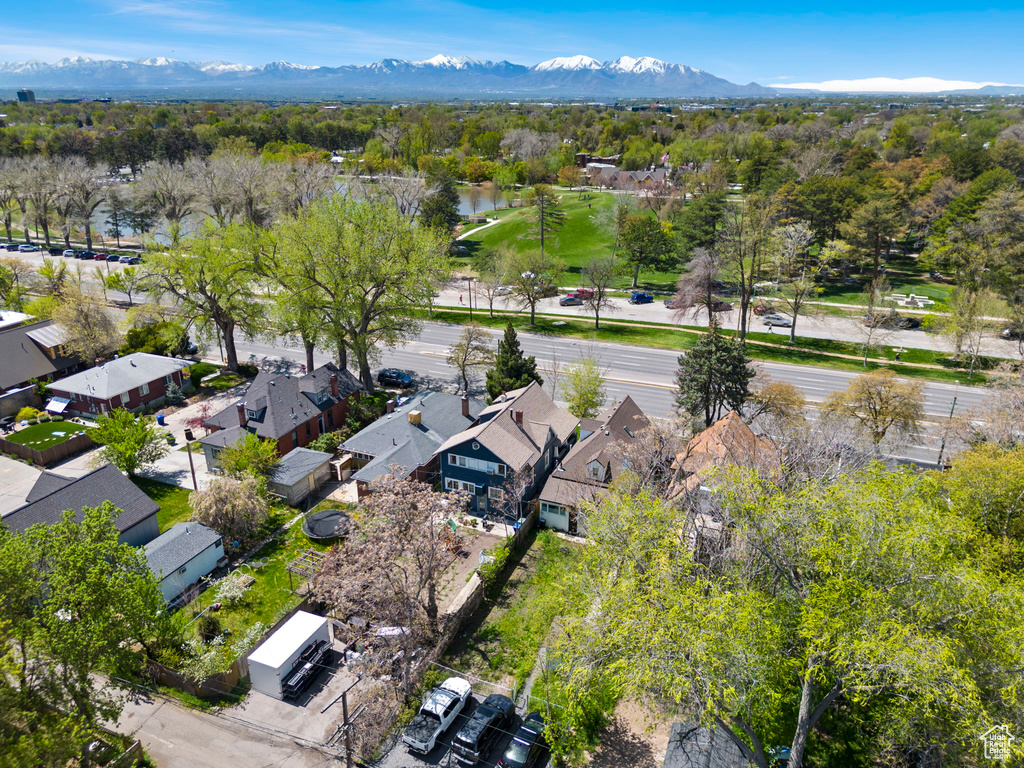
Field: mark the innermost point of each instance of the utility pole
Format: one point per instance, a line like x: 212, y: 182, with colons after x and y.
x: 942, y: 447
x: 189, y: 437
x: 348, y: 729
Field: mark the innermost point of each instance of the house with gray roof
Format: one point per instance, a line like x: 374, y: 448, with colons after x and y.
x: 408, y: 436
x: 515, y: 441
x: 53, y: 494
x: 131, y: 382
x: 34, y: 351
x: 293, y: 411
x: 182, y: 555
x: 299, y: 473
x: 591, y: 465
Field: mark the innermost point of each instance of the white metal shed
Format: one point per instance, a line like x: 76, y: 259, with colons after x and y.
x: 281, y: 653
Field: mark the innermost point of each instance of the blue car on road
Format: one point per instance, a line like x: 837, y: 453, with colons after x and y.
x: 639, y: 297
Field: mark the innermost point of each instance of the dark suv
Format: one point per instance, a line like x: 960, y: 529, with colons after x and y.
x: 476, y: 738
x: 392, y: 377
x: 527, y: 746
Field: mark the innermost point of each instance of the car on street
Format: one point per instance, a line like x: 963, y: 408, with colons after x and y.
x: 55, y: 251
x: 68, y: 253
x: 392, y: 377
x: 84, y: 255
x: 672, y: 303
x: 582, y: 293
x: 27, y: 248
x: 527, y: 746
x: 129, y: 259
x: 780, y: 321
x: 477, y: 737
x: 12, y: 246
x: 639, y: 297
x: 1012, y: 333
x: 502, y: 290
x: 763, y: 309
x: 891, y: 320
x: 570, y: 301
x: 440, y: 709
x: 99, y: 257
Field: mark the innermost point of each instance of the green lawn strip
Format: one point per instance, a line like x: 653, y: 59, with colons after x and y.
x: 173, y: 501
x: 269, y: 598
x: 41, y: 436
x: 224, y: 381
x: 588, y: 232
x: 519, y: 614
x: 761, y: 346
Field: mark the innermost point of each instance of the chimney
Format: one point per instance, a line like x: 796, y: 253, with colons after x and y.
x: 465, y: 405
x: 390, y: 406
x: 518, y: 416
x: 240, y: 407
x: 415, y: 417
x: 334, y: 385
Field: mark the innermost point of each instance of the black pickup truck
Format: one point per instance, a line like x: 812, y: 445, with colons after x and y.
x: 476, y: 738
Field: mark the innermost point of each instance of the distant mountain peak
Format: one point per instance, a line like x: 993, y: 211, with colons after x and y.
x: 452, y: 62
x: 157, y: 61
x: 635, y: 66
x: 572, y: 63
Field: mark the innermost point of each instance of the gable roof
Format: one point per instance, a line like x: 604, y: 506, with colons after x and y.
x: 283, y: 401
x: 296, y: 465
x: 600, y: 442
x: 728, y: 441
x: 393, y: 439
x: 119, y: 375
x: 514, y: 443
x: 24, y: 357
x: 51, y: 497
x: 177, y: 545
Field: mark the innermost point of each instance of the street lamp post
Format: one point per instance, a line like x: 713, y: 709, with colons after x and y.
x: 189, y: 437
x: 469, y: 291
x: 942, y: 446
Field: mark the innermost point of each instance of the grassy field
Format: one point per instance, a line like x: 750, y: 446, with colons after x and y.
x: 44, y: 435
x: 806, y: 351
x: 502, y: 644
x: 588, y: 232
x: 269, y: 597
x: 172, y: 499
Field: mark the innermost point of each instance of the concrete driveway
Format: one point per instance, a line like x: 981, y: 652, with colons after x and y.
x: 16, y: 480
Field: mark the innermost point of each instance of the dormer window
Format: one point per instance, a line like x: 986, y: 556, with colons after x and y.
x: 595, y: 471
x: 250, y: 413
x: 322, y: 396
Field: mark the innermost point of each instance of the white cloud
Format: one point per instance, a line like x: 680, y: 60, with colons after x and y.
x: 889, y: 85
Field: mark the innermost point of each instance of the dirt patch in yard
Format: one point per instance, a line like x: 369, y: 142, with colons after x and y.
x: 473, y: 543
x: 636, y: 737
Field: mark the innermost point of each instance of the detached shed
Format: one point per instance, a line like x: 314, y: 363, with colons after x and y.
x: 182, y: 555
x: 299, y: 473
x: 290, y: 657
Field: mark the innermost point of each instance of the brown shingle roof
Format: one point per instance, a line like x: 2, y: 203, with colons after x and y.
x: 728, y: 441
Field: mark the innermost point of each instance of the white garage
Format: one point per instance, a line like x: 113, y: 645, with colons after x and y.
x: 287, y: 661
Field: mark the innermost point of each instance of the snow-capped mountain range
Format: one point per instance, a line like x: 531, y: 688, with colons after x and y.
x: 570, y: 76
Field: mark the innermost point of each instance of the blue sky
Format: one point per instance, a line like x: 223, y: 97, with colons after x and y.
x: 800, y: 42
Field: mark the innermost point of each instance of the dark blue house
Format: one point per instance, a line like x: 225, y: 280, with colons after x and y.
x: 515, y: 442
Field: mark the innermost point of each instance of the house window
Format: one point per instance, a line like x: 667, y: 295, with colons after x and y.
x: 249, y: 414
x: 320, y: 423
x: 144, y: 390
x: 547, y: 508
x: 125, y: 398
x: 295, y: 437
x: 330, y: 419
x: 490, y: 467
x: 168, y: 380
x: 595, y: 471
x: 452, y: 484
x: 309, y: 431
x: 495, y: 494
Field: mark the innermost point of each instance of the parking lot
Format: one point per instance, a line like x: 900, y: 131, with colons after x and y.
x: 441, y: 755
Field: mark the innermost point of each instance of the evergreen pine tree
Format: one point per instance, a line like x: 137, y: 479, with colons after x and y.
x: 511, y: 369
x: 713, y: 376
x: 441, y: 209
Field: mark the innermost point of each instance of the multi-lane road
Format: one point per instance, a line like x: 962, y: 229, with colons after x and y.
x: 645, y: 374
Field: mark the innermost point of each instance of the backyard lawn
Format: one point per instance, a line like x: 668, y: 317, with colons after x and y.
x: 224, y: 381
x: 45, y: 435
x: 172, y: 499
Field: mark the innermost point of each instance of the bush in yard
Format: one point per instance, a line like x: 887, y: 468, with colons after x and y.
x: 248, y: 370
x: 129, y: 443
x: 231, y: 589
x: 174, y: 395
x: 249, y: 456
x: 235, y: 507
x: 200, y: 371
x: 56, y: 417
x: 43, y: 417
x: 327, y: 442
x: 208, y: 627
x: 28, y: 412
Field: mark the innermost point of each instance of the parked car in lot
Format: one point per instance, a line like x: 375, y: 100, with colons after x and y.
x: 99, y: 257
x: 392, y: 377
x: 12, y: 246
x: 1012, y: 333
x: 778, y: 320
x: 27, y: 248
x: 570, y: 301
x: 68, y: 253
x: 582, y: 293
x: 763, y: 309
x: 721, y: 306
x: 502, y: 290
x: 438, y: 712
x: 639, y: 297
x: 477, y: 737
x: 55, y: 251
x: 672, y: 303
x: 129, y: 259
x: 891, y: 320
x: 527, y: 746
x: 84, y: 255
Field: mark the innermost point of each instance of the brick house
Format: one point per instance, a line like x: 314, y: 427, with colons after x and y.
x: 293, y: 411
x: 131, y: 382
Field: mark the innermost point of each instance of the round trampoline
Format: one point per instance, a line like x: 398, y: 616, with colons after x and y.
x: 327, y: 525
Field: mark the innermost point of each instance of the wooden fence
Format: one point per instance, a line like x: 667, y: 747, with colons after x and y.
x: 52, y: 455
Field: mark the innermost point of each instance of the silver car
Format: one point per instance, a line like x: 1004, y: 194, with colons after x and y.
x: 778, y: 320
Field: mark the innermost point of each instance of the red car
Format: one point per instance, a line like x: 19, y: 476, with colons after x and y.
x: 582, y: 293
x: 99, y: 257
x: 763, y: 309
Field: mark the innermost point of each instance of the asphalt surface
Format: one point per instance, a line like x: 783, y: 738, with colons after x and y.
x: 441, y: 755
x: 645, y: 374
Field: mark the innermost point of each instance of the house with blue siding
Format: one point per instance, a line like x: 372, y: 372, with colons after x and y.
x: 517, y: 440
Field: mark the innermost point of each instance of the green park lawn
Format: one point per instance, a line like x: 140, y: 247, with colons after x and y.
x: 587, y: 232
x: 45, y: 435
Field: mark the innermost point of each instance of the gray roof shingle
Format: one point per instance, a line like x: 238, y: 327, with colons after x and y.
x: 283, y: 401
x: 297, y: 464
x: 119, y: 375
x: 177, y: 545
x: 104, y: 484
x: 23, y: 358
